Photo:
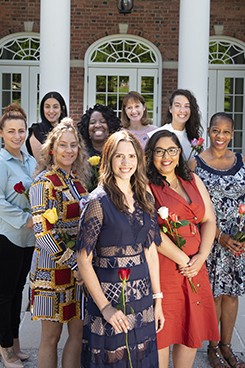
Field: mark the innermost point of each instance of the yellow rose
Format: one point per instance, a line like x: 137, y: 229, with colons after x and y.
x: 51, y: 215
x: 94, y: 160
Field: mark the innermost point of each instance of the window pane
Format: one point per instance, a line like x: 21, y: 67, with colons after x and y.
x: 239, y: 103
x: 112, y: 101
x: 6, y: 81
x: 100, y: 83
x: 112, y: 83
x: 239, y: 85
x: 147, y: 84
x: 101, y: 99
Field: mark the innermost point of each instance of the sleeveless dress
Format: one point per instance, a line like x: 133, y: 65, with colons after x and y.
x: 190, y: 317
x: 227, y: 190
x: 117, y: 240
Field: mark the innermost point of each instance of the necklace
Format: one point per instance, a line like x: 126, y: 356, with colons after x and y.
x: 174, y: 184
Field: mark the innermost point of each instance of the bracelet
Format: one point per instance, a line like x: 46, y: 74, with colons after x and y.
x: 158, y: 295
x: 103, y: 309
x: 219, y: 236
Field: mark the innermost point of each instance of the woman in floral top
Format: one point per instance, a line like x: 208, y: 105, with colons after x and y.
x: 55, y: 195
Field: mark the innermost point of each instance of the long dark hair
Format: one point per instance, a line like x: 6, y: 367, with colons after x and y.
x: 152, y: 173
x: 193, y: 125
x: 61, y: 101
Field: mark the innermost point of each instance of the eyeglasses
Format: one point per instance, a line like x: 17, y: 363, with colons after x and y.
x: 171, y: 151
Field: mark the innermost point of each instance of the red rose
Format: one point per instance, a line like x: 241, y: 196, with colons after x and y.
x: 124, y: 274
x: 242, y: 209
x: 19, y: 187
x: 200, y: 141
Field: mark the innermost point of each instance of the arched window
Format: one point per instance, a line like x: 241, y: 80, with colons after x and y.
x: 19, y: 72
x: 26, y: 47
x: 114, y: 65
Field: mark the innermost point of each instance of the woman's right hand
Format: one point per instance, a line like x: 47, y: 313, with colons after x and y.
x: 233, y: 245
x: 29, y: 223
x: 116, y: 318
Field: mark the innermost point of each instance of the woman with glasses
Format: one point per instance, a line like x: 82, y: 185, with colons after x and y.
x: 188, y: 303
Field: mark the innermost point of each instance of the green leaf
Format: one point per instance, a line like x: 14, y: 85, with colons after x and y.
x: 164, y: 229
x: 177, y: 224
x: 180, y: 242
x: 132, y: 309
x: 184, y: 222
x: 71, y: 244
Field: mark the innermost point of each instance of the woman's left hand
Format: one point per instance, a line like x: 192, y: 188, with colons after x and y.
x: 193, y: 267
x: 158, y: 314
x: 78, y: 277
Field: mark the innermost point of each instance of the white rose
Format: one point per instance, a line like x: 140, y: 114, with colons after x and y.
x: 163, y: 212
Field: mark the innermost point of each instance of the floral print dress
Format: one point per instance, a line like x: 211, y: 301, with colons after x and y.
x: 227, y: 190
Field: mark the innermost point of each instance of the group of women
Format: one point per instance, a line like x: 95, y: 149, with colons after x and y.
x: 152, y: 267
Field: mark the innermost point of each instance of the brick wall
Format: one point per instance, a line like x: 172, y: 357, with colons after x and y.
x: 154, y: 20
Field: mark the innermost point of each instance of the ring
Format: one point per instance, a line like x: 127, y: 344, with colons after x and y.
x: 120, y: 320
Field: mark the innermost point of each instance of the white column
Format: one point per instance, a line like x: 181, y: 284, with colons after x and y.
x: 55, y: 47
x: 194, y: 50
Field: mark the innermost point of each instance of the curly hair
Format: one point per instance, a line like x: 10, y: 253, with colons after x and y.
x: 13, y: 111
x: 138, y: 179
x: 135, y: 97
x: 193, y: 125
x: 80, y: 166
x: 108, y: 114
x: 182, y: 170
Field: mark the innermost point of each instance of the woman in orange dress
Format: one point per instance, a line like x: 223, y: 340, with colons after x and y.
x: 188, y: 303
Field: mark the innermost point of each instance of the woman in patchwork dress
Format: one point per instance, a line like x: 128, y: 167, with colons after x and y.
x: 55, y: 195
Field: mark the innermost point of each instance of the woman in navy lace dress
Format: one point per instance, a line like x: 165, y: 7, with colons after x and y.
x: 223, y: 173
x: 118, y: 233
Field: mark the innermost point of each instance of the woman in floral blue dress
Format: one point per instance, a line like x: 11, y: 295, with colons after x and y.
x: 223, y: 173
x: 118, y: 233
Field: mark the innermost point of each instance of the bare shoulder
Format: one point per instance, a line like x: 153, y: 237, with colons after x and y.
x: 192, y: 164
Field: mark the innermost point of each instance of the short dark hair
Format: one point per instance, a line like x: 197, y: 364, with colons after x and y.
x: 221, y: 115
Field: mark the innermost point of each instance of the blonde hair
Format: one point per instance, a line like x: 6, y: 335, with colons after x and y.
x: 80, y: 166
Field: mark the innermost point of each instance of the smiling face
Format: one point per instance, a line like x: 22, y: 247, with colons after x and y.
x: 180, y: 110
x: 220, y: 133
x: 65, y: 151
x: 134, y: 110
x: 13, y: 134
x: 52, y: 110
x: 98, y: 129
x: 124, y: 161
x: 166, y: 163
